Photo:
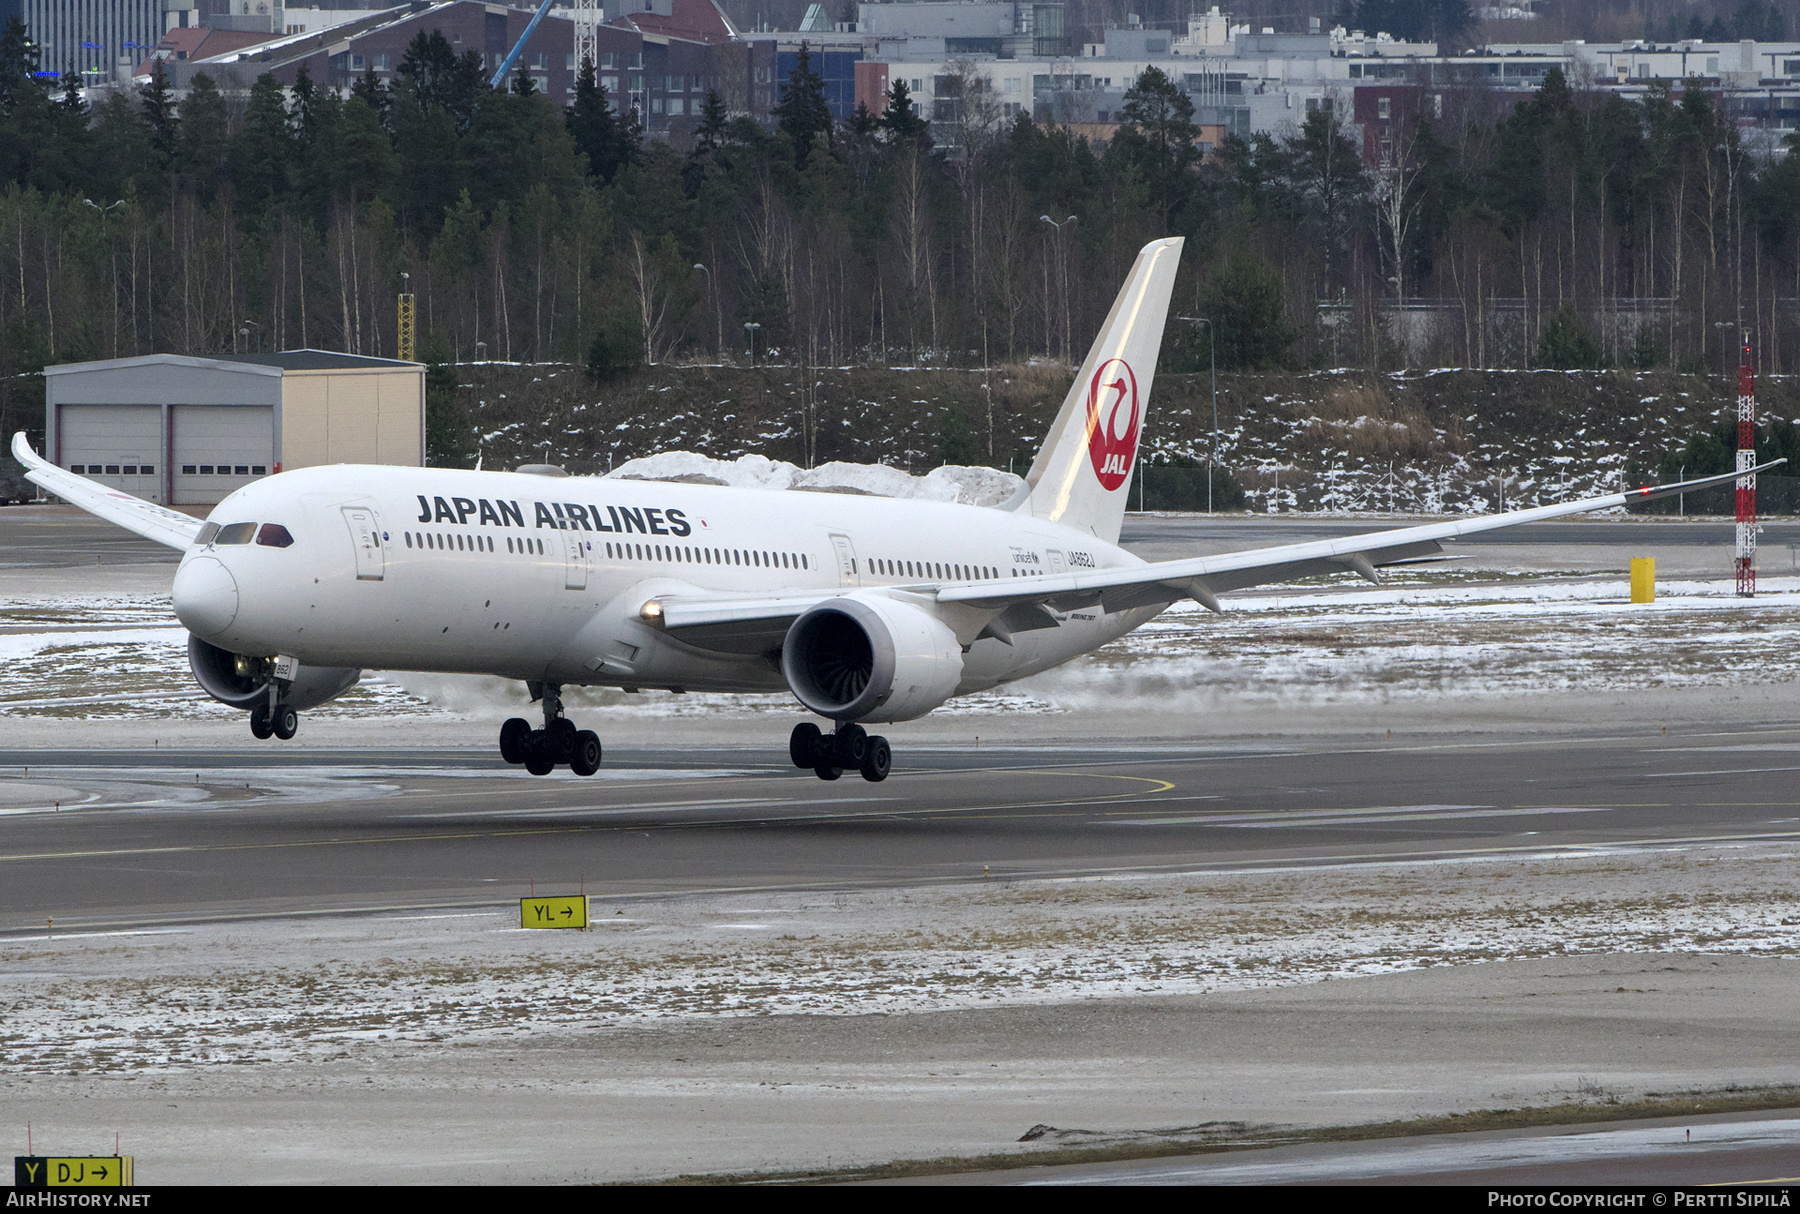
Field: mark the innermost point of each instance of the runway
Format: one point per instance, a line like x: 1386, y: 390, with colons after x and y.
x: 142, y: 838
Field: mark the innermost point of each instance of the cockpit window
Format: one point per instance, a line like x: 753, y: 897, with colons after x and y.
x: 206, y: 535
x: 274, y: 535
x: 235, y: 533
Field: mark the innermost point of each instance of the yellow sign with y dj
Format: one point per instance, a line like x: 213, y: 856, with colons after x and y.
x: 71, y: 1172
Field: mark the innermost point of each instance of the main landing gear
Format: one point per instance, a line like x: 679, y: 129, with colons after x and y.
x: 558, y: 742
x: 828, y: 754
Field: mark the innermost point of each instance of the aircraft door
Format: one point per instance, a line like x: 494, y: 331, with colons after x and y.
x: 575, y: 558
x: 846, y: 559
x: 365, y: 537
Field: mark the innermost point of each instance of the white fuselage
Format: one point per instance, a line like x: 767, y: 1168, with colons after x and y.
x: 543, y: 578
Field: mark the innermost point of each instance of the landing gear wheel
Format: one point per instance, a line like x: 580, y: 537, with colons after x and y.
x: 586, y: 759
x: 804, y: 744
x: 539, y: 760
x: 851, y: 744
x: 878, y: 760
x: 560, y: 735
x: 513, y: 736
x: 826, y: 771
x: 286, y: 722
x: 260, y: 725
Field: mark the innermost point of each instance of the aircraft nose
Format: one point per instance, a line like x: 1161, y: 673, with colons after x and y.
x: 206, y: 596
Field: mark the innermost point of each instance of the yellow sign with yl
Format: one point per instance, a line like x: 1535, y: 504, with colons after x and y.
x: 554, y: 912
x: 71, y: 1172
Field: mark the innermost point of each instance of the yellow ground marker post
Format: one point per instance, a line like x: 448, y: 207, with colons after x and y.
x: 554, y: 912
x: 1643, y: 579
x: 72, y: 1172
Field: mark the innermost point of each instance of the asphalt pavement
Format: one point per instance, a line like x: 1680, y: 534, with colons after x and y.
x: 102, y: 839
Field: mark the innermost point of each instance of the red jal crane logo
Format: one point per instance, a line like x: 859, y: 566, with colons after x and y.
x: 1113, y: 422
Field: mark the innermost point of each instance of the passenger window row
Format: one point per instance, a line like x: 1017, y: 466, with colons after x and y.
x: 934, y: 569
x: 457, y: 542
x: 682, y: 553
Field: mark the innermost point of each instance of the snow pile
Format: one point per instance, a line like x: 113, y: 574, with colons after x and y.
x: 971, y: 486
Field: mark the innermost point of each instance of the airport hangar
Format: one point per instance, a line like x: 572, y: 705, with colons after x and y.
x: 188, y: 431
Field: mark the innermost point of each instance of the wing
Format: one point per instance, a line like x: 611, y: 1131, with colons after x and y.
x: 147, y: 519
x: 750, y: 625
x: 1204, y: 578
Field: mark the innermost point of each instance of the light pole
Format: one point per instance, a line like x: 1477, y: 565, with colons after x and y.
x: 245, y: 334
x: 750, y: 328
x: 113, y: 254
x: 1725, y: 359
x: 1212, y: 358
x: 719, y: 318
x: 1062, y: 271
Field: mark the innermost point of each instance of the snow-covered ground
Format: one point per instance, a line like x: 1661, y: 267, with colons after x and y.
x: 180, y: 999
x: 1426, y: 634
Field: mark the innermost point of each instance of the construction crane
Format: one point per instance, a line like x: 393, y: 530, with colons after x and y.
x: 512, y: 56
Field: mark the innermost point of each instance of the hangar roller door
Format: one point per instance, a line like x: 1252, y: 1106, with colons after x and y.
x: 219, y: 448
x: 117, y: 445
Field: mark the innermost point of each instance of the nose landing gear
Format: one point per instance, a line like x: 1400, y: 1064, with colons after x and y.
x: 274, y: 717
x: 558, y: 742
x: 850, y: 747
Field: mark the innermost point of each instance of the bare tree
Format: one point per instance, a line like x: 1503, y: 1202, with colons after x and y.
x: 1396, y: 191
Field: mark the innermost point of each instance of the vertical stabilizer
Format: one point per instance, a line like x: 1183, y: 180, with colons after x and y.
x: 1082, y: 476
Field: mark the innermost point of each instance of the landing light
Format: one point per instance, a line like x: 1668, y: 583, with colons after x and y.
x: 651, y: 612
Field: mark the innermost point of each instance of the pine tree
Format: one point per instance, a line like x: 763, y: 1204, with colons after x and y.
x: 158, y: 104
x: 18, y: 60
x: 368, y: 86
x: 261, y: 152
x: 427, y: 66
x: 709, y: 136
x: 205, y: 129
x: 1159, y: 135
x: 306, y: 105
x: 522, y: 84
x: 803, y: 114
x: 593, y: 126
x: 71, y: 98
x: 1245, y: 299
x: 898, y: 118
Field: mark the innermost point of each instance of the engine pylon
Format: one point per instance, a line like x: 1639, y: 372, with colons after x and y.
x: 1745, y: 563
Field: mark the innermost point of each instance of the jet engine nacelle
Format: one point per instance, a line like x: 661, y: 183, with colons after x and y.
x: 243, y: 681
x: 870, y: 659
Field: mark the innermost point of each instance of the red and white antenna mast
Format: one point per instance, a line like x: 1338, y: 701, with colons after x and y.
x: 1745, y: 563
